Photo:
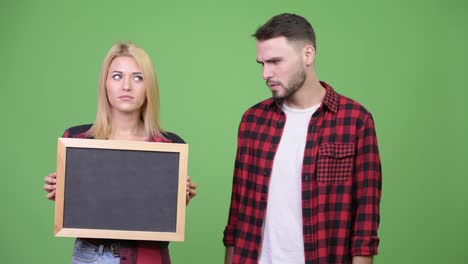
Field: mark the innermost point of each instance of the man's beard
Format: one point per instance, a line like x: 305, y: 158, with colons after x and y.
x: 296, y: 82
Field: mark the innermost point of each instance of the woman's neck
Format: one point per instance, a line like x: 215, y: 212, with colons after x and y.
x: 127, y: 127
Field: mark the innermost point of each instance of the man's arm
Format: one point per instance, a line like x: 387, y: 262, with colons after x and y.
x: 239, y: 172
x: 367, y: 191
x: 228, y: 256
x: 363, y: 260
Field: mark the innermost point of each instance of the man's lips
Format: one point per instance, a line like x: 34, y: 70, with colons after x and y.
x: 273, y: 84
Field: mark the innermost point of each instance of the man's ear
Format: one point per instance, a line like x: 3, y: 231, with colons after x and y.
x: 309, y: 54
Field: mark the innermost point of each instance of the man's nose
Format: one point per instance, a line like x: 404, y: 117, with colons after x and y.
x: 266, y: 72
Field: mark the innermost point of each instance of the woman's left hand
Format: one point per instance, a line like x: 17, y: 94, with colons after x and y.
x: 191, y: 190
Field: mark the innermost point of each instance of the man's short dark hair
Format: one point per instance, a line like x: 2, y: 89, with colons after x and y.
x: 290, y: 26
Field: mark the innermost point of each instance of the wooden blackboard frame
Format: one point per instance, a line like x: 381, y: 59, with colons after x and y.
x: 65, y: 144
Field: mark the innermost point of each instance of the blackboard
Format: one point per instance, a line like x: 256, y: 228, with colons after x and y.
x: 120, y: 189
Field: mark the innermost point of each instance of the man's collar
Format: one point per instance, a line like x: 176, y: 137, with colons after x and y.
x: 330, y: 101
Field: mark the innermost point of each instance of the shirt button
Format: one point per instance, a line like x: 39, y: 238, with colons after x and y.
x: 266, y: 172
x: 272, y: 146
x: 313, y: 129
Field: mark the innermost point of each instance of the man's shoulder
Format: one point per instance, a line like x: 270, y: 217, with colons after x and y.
x: 259, y: 109
x: 350, y: 106
x: 80, y: 131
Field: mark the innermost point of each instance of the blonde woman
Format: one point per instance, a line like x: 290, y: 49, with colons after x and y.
x: 128, y: 103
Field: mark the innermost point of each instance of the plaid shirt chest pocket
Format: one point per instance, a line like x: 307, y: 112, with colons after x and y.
x: 335, y: 162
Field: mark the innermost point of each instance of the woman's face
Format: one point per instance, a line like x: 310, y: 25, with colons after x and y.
x: 124, y: 85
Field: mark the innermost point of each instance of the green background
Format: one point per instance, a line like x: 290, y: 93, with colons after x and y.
x: 406, y: 61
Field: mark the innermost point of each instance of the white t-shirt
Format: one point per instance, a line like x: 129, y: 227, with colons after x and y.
x: 282, y: 240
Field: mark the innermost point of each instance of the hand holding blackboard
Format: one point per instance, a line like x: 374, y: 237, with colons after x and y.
x: 121, y: 189
x: 49, y: 185
x: 191, y: 190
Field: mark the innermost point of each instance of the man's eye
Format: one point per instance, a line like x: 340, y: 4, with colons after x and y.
x: 117, y: 77
x: 138, y: 78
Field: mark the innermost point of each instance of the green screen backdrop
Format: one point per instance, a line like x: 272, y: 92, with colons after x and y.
x: 406, y: 61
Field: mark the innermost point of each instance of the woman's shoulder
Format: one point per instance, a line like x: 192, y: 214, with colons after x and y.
x: 172, y: 137
x: 80, y: 131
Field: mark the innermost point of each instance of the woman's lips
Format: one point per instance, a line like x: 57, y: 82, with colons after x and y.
x: 126, y: 97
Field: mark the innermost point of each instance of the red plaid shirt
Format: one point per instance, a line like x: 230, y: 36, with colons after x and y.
x: 341, y: 181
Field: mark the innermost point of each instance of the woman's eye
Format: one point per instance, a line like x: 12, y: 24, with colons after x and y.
x: 117, y: 77
x: 138, y: 78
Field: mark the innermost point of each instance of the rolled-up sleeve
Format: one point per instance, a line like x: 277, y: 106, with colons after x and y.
x: 239, y: 174
x: 367, y: 188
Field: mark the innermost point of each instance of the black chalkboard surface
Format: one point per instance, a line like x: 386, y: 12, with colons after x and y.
x: 120, y: 189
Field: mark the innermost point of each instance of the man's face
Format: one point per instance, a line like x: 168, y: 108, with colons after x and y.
x: 283, y: 66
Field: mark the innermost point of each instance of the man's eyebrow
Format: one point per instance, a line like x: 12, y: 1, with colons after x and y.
x: 274, y: 59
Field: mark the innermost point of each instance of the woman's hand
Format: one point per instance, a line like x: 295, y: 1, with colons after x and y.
x: 191, y: 190
x: 49, y: 185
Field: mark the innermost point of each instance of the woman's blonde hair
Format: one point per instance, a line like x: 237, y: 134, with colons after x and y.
x: 102, y: 126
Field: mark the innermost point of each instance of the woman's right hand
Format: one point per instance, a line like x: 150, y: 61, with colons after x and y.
x: 49, y: 185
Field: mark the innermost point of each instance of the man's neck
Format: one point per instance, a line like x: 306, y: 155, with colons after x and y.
x: 311, y: 93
